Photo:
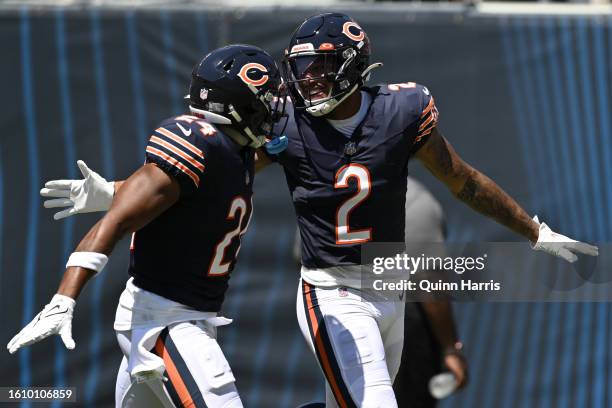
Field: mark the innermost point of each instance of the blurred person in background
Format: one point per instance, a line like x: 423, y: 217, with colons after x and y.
x: 431, y: 342
x: 188, y: 207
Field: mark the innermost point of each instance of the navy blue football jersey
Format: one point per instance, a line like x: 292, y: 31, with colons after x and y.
x: 187, y: 253
x: 349, y: 191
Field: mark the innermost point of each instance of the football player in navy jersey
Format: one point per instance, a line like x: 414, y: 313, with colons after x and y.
x: 346, y: 168
x: 188, y: 207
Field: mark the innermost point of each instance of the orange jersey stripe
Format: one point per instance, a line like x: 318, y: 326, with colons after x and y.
x: 319, y: 344
x: 178, y: 151
x: 181, y: 141
x: 427, y: 122
x: 430, y: 105
x: 175, y: 163
x: 173, y: 374
x: 422, y: 135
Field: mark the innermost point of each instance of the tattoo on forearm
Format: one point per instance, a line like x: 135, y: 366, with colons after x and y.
x: 468, y: 192
x: 486, y: 197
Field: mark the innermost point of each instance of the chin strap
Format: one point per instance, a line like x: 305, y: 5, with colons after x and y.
x: 254, y: 141
x: 236, y: 136
x: 243, y: 140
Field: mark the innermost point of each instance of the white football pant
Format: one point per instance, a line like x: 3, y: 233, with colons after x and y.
x: 357, y: 341
x: 196, y: 371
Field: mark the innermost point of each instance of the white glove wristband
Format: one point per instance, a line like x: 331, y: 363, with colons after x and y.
x: 57, y: 298
x: 88, y: 260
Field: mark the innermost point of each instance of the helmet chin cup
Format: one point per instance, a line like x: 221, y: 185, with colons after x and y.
x: 322, y: 109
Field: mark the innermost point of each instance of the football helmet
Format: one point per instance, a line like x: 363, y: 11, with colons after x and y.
x: 327, y: 60
x: 238, y: 85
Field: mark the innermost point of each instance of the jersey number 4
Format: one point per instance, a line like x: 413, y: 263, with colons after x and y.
x: 344, y: 235
x: 217, y: 266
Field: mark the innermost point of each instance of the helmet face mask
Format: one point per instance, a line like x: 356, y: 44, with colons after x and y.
x: 311, y: 74
x: 321, y: 76
x: 237, y: 86
x: 327, y: 60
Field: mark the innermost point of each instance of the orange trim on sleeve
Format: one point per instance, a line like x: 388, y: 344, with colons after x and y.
x: 194, y: 177
x: 427, y: 122
x: 177, y: 151
x: 422, y: 135
x: 429, y: 106
x: 181, y: 141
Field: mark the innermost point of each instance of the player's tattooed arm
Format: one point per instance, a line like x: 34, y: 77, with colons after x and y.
x: 143, y: 197
x: 473, y: 187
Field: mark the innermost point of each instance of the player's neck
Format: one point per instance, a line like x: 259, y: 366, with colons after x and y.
x: 348, y: 108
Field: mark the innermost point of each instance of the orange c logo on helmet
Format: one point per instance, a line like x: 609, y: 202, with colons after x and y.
x: 346, y: 31
x: 243, y: 74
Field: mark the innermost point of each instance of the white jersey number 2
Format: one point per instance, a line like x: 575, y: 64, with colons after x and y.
x: 344, y: 235
x: 217, y: 267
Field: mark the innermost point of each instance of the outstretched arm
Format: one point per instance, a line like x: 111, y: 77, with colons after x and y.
x: 94, y: 193
x: 144, y: 196
x: 485, y: 196
x: 474, y: 188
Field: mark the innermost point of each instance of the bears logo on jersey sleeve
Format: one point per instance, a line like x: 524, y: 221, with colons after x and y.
x: 172, y: 147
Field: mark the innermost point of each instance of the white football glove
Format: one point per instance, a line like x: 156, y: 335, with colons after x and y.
x: 560, y: 245
x: 55, y: 318
x: 93, y: 193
